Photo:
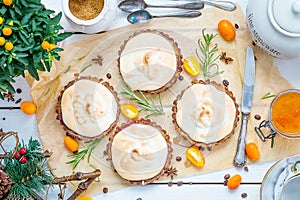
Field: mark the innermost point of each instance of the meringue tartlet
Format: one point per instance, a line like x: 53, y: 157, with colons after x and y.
x: 150, y: 61
x: 205, y: 113
x: 88, y: 108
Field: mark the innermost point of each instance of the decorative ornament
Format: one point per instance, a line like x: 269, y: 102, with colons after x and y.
x: 5, y: 184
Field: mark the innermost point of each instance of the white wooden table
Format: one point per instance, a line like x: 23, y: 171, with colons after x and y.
x: 208, y: 186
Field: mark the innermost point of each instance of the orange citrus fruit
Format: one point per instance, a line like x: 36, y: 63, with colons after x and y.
x: 226, y: 29
x: 234, y: 182
x: 252, y: 151
x: 51, y: 46
x: 45, y: 45
x: 84, y: 198
x: 191, y: 65
x: 2, y: 41
x: 9, y: 46
x: 71, y: 144
x: 129, y: 111
x: 28, y: 107
x: 7, y: 2
x: 7, y: 31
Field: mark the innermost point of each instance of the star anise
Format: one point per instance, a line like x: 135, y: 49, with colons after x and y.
x: 225, y: 58
x: 9, y: 96
x: 171, y: 171
x: 98, y: 60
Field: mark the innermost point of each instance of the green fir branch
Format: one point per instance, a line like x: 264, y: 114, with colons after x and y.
x: 267, y: 95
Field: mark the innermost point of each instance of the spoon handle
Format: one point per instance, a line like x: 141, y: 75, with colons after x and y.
x: 184, y: 13
x: 225, y: 5
x: 189, y: 6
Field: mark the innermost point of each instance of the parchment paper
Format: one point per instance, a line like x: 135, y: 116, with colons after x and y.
x: 186, y: 33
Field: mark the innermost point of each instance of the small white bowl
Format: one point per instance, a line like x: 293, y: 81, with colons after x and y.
x: 102, y: 20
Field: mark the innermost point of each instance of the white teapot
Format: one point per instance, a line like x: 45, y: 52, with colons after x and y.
x: 275, y: 26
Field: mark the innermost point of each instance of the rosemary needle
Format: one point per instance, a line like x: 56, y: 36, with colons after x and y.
x: 207, y: 57
x: 146, y: 104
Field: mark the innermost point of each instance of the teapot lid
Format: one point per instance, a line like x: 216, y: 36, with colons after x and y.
x: 285, y: 16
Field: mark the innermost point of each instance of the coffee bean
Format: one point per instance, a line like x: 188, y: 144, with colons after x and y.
x: 225, y: 83
x: 3, y: 118
x: 225, y: 182
x: 139, y: 199
x: 236, y: 26
x: 244, y: 195
x: 170, y: 183
x: 246, y: 168
x: 180, y: 78
x: 257, y: 117
x: 18, y: 90
x: 108, y: 75
x: 178, y: 158
x: 105, y: 190
x: 227, y: 176
x: 179, y: 183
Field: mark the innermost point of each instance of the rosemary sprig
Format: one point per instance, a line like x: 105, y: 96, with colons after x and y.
x: 84, y: 68
x: 146, y: 104
x: 77, y: 157
x: 207, y: 57
x: 267, y: 95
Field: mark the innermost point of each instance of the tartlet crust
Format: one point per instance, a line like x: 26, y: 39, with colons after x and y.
x: 186, y: 135
x: 73, y: 133
x: 164, y: 134
x: 177, y: 52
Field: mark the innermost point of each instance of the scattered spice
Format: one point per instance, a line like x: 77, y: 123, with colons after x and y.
x: 9, y: 96
x: 108, y: 75
x: 225, y: 182
x: 18, y: 90
x: 178, y: 158
x: 179, y: 183
x: 98, y: 60
x: 171, y: 171
x: 267, y: 95
x: 18, y: 101
x: 226, y: 58
x: 236, y: 26
x: 246, y: 169
x: 86, y: 10
x: 180, y: 77
x: 227, y: 176
x: 105, y: 190
x: 225, y: 83
x: 81, y: 58
x: 170, y: 183
x: 257, y: 117
x: 187, y: 163
x: 244, y: 195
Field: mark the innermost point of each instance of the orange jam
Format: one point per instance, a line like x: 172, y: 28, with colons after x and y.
x: 286, y: 113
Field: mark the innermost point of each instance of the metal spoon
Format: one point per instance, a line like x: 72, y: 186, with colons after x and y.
x: 142, y: 16
x: 224, y: 5
x: 134, y: 5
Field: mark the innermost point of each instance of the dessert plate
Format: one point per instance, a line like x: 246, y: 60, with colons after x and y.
x: 280, y: 179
